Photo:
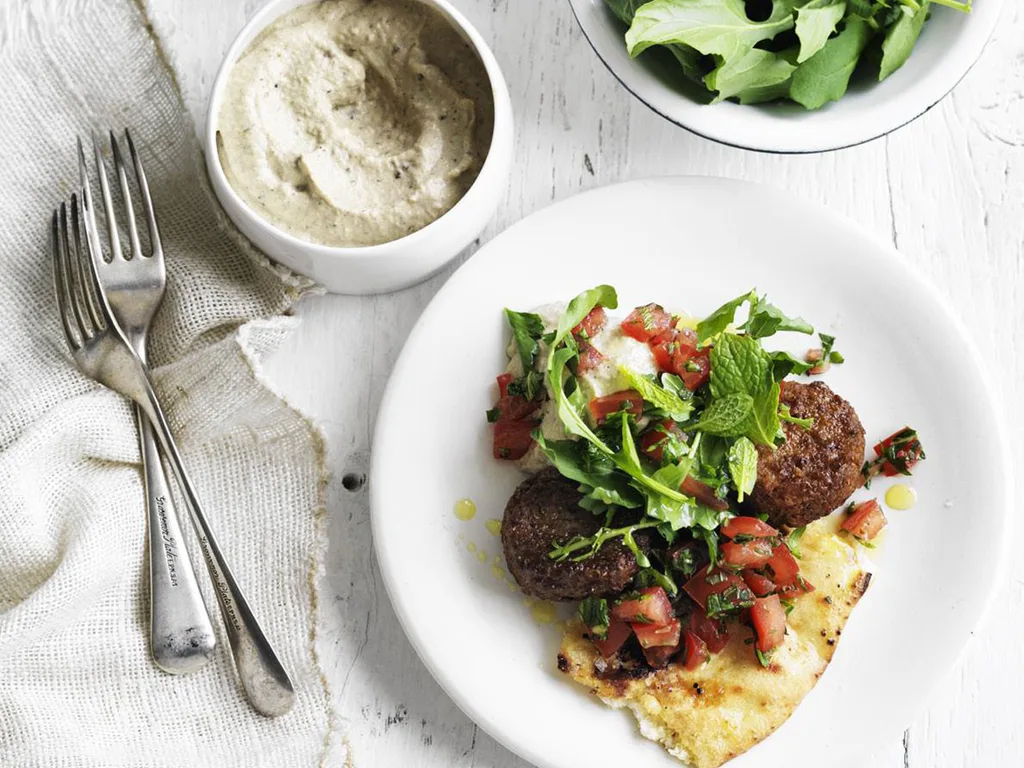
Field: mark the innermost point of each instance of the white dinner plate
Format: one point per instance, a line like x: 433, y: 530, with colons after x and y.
x: 690, y: 244
x: 948, y: 47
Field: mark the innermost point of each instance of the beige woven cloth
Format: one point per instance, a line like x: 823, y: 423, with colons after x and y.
x: 77, y: 687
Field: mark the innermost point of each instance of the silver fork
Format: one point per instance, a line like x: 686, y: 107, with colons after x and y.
x: 181, y: 636
x: 102, y: 352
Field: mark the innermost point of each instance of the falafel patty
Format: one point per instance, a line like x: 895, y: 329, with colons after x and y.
x: 544, y: 510
x: 815, y: 470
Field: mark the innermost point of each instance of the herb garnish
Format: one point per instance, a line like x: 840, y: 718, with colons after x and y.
x: 593, y: 612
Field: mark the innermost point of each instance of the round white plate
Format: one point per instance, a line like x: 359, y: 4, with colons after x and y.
x: 949, y: 46
x: 690, y: 244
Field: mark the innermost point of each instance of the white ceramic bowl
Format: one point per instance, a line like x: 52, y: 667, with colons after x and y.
x: 949, y: 46
x: 399, y: 263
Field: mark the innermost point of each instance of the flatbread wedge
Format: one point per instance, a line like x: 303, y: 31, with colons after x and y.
x: 708, y: 716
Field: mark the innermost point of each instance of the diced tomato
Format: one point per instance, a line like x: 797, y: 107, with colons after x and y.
x: 651, y: 635
x: 650, y: 606
x: 748, y: 554
x: 700, y: 588
x: 618, y: 634
x: 512, y: 439
x: 713, y: 632
x: 663, y: 346
x: 590, y: 358
x: 759, y: 584
x: 644, y: 323
x: 801, y: 587
x: 902, y: 451
x: 652, y: 442
x: 784, y: 567
x: 769, y: 618
x: 697, y: 654
x: 865, y: 520
x: 747, y: 526
x: 592, y: 324
x: 503, y: 381
x: 603, y: 407
x: 703, y: 493
x: 659, y: 656
x: 696, y: 371
x: 515, y: 408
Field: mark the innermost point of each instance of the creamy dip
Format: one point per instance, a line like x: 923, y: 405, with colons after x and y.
x: 355, y: 122
x: 606, y: 378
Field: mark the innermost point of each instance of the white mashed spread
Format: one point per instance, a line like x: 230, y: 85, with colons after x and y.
x: 355, y: 122
x: 616, y: 347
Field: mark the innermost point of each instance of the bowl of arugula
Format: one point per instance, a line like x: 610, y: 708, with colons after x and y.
x: 788, y: 76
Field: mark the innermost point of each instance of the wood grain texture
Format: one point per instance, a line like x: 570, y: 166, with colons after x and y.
x: 948, y: 190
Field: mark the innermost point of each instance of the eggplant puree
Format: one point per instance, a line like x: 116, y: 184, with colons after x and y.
x: 355, y: 122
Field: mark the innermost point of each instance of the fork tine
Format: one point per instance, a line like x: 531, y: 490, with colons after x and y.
x: 91, y: 255
x: 60, y: 283
x: 108, y: 203
x: 78, y: 277
x: 133, y: 231
x: 147, y: 201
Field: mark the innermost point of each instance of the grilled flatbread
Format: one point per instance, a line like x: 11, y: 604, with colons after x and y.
x: 709, y: 716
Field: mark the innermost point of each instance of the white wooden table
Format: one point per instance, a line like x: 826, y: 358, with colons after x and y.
x: 948, y: 190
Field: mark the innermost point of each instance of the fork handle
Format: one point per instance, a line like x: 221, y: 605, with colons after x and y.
x: 181, y: 636
x: 263, y: 677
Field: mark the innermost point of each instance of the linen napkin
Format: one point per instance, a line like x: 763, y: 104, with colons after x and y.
x: 77, y: 687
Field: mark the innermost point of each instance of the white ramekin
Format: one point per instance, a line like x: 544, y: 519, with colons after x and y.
x: 389, y: 266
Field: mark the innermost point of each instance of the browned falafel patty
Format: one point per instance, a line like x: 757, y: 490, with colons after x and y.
x: 815, y: 470
x: 543, y: 510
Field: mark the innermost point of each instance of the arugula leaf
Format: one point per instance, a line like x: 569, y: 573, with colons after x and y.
x: 815, y: 23
x: 743, y: 466
x: 784, y: 364
x: 727, y: 416
x: 719, y: 27
x: 710, y: 539
x: 793, y: 541
x: 592, y: 544
x: 652, y: 577
x: 766, y: 319
x: 691, y: 61
x: 527, y: 328
x: 754, y: 77
x: 829, y: 355
x: 901, y: 38
x: 719, y: 320
x: 628, y: 461
x: 593, y: 613
x: 675, y: 407
x: 604, y: 486
x: 570, y: 410
x: 785, y: 415
x: 825, y: 76
x: 579, y: 308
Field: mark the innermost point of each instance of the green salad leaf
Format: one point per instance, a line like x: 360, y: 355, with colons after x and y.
x: 815, y: 23
x: 743, y: 466
x: 802, y: 50
x: 594, y: 614
x: 739, y: 366
x: 713, y: 27
x: 722, y: 318
x: 527, y: 328
x: 766, y: 320
x: 825, y: 76
x: 901, y: 38
x: 660, y: 397
x: 727, y: 416
x: 752, y: 78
